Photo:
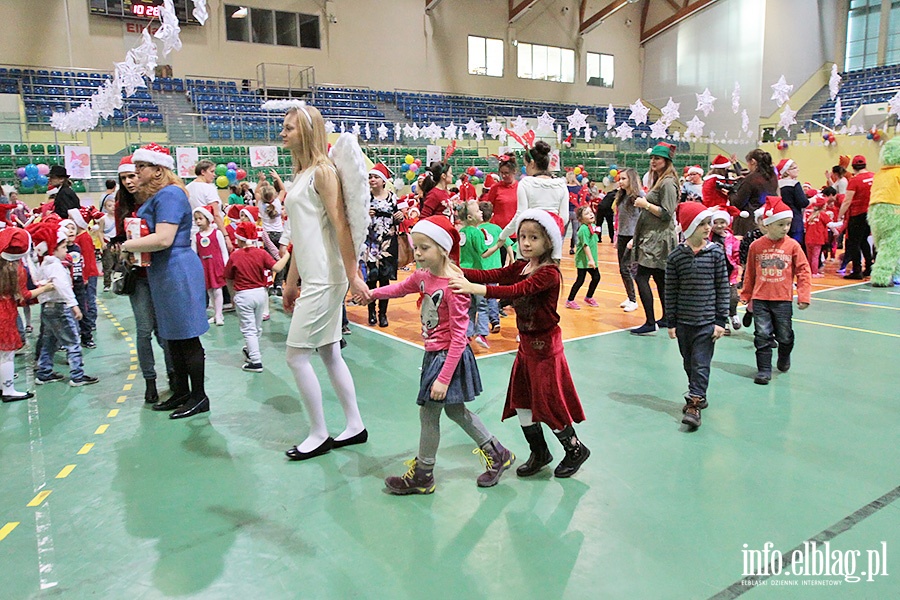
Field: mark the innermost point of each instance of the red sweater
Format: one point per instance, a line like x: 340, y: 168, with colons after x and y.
x: 88, y: 256
x: 712, y: 195
x: 437, y: 202
x: 771, y: 269
x: 534, y: 295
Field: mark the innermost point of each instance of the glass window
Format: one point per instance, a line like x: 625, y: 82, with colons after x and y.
x: 567, y: 70
x: 548, y: 63
x: 262, y: 26
x: 863, y: 23
x: 281, y: 28
x: 525, y: 69
x: 236, y: 30
x: 600, y: 69
x: 286, y: 29
x: 309, y: 31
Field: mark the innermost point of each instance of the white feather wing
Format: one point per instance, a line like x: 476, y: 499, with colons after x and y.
x: 351, y: 168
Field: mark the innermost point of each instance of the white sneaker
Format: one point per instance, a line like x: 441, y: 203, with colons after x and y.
x: 624, y: 303
x: 630, y: 306
x: 211, y: 320
x: 220, y: 322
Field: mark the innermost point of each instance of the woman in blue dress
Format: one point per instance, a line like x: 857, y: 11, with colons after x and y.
x: 175, y: 275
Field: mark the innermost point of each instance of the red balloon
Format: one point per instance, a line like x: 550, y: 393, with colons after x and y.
x: 876, y: 136
x: 241, y: 174
x: 471, y: 170
x: 418, y: 161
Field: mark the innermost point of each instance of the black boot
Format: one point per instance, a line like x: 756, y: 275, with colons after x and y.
x: 763, y: 366
x: 151, y: 396
x: 784, y: 357
x: 382, y: 313
x: 373, y: 318
x: 540, y: 453
x: 576, y: 453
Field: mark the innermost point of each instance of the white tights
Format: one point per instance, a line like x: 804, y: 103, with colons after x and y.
x: 8, y: 374
x: 525, y: 418
x: 298, y: 359
x: 215, y: 294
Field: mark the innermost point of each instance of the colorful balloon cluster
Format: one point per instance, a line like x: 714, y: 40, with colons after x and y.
x: 875, y: 134
x: 580, y: 173
x: 33, y: 178
x: 476, y: 175
x: 229, y: 175
x: 781, y: 145
x: 829, y: 138
x: 411, y: 167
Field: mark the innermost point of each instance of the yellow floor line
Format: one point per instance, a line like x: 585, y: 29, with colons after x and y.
x: 101, y: 429
x: 7, y: 529
x: 39, y: 499
x: 86, y: 448
x: 882, y: 306
x: 113, y: 413
x: 65, y: 471
x: 121, y: 399
x: 847, y: 328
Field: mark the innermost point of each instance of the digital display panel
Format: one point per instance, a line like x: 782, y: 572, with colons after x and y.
x: 142, y: 10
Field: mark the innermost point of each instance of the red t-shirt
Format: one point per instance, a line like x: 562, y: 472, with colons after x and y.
x: 861, y: 186
x: 247, y: 267
x: 503, y: 197
x: 88, y: 257
x: 437, y: 202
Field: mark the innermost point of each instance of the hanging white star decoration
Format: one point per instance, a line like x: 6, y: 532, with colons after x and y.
x: 519, y: 125
x: 745, y: 121
x: 736, y: 98
x: 415, y: 132
x: 559, y: 136
x: 355, y: 130
x: 329, y: 127
x: 200, y: 12
x: 472, y: 126
x: 502, y: 136
x: 545, y: 123
x: 705, y: 102
x: 587, y: 134
x: 169, y: 30
x: 894, y: 105
x: 658, y: 129
x: 781, y: 91
x: 494, y: 128
x: 577, y: 120
x: 624, y: 131
x: 397, y: 131
x: 610, y: 117
x: 432, y: 132
x: 382, y: 132
x: 694, y: 127
x: 838, y: 111
x: 638, y: 112
x: 450, y: 131
x: 787, y: 118
x: 834, y: 82
x: 670, y: 111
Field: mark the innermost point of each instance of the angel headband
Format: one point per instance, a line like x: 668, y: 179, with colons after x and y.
x: 279, y: 105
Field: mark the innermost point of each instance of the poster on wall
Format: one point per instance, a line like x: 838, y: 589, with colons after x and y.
x: 263, y: 156
x: 554, y: 161
x: 432, y: 154
x: 78, y: 161
x: 187, y: 159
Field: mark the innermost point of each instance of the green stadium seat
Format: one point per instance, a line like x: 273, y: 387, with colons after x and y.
x: 21, y: 149
x: 78, y: 187
x: 5, y: 149
x: 37, y: 148
x: 7, y: 161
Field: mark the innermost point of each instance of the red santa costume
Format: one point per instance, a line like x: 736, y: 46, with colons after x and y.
x: 210, y: 247
x: 713, y: 195
x: 540, y: 387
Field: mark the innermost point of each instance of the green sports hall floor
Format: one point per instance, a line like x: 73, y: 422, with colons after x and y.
x: 103, y: 498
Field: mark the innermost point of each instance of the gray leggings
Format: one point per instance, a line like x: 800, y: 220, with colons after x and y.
x: 430, y: 418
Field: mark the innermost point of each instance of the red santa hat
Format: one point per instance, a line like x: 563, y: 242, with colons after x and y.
x: 694, y: 169
x: 246, y: 232
x: 381, y: 170
x: 819, y: 202
x: 551, y: 223
x: 690, y: 215
x: 65, y: 223
x: 489, y: 180
x: 251, y: 212
x: 46, y: 235
x: 83, y: 216
x: 720, y: 162
x: 154, y: 154
x: 441, y: 230
x: 126, y: 165
x: 775, y: 210
x: 811, y: 192
x: 206, y: 211
x: 51, y: 191
x: 783, y: 165
x: 728, y: 213
x: 15, y: 243
x: 234, y: 212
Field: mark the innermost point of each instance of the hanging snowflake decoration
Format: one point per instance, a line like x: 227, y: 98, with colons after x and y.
x: 745, y: 121
x: 894, y: 105
x: 694, y: 127
x: 397, y: 131
x: 495, y: 128
x: 519, y: 125
x: 368, y: 133
x: 450, y: 131
x: 838, y: 111
x: 329, y: 126
x: 638, y: 112
x: 624, y: 131
x: 200, y: 11
x: 834, y: 82
x: 670, y: 111
x: 472, y: 126
x: 736, y: 98
x: 781, y: 91
x: 705, y: 102
x: 577, y: 121
x: 587, y: 134
x: 169, y: 31
x: 382, y: 132
x: 144, y: 55
x: 545, y: 123
x: 658, y: 129
x: 355, y: 130
x: 787, y: 118
x: 610, y: 117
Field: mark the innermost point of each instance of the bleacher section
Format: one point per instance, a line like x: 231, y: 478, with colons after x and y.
x: 866, y: 86
x: 45, y: 92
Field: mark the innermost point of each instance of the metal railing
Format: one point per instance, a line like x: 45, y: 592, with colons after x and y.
x: 283, y: 76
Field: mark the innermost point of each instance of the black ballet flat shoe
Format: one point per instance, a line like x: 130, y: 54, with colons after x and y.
x: 26, y: 395
x: 189, y: 410
x: 360, y: 438
x: 294, y: 453
x: 172, y: 403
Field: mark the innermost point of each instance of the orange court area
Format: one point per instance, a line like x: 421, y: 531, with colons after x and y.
x: 404, y: 323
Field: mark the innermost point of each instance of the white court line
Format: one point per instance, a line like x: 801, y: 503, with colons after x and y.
x: 390, y: 336
x: 42, y: 526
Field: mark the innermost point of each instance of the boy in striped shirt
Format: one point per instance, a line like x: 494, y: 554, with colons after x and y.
x: 696, y: 300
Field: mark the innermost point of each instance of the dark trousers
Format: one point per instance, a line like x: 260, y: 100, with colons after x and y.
x: 642, y: 279
x: 857, y: 233
x: 772, y: 319
x: 579, y: 281
x: 189, y: 361
x: 608, y: 216
x: 382, y: 304
x: 696, y: 345
x: 624, y: 255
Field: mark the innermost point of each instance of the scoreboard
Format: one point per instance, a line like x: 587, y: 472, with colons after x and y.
x: 142, y: 10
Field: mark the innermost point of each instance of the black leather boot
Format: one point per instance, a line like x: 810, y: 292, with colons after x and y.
x: 576, y: 453
x: 763, y: 366
x: 540, y: 453
x: 151, y: 396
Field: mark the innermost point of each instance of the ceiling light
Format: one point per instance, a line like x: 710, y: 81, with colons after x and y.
x: 240, y: 13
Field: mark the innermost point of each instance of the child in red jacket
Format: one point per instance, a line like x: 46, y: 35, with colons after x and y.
x: 817, y: 220
x: 774, y: 261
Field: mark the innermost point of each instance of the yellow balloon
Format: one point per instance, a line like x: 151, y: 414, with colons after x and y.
x: 410, y: 175
x: 222, y: 181
x: 613, y: 172
x: 578, y: 170
x: 409, y: 159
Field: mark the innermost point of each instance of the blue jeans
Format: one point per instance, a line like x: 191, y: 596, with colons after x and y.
x: 59, y: 329
x: 696, y: 345
x: 145, y: 326
x: 493, y: 309
x: 81, y: 295
x: 478, y: 317
x: 772, y: 319
x: 89, y: 311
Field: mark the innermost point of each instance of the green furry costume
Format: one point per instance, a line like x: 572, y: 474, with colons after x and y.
x: 884, y: 215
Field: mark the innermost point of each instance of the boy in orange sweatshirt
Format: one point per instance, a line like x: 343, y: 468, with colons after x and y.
x: 773, y: 263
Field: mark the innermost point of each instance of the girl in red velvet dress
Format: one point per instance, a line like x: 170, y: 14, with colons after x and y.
x: 541, y: 389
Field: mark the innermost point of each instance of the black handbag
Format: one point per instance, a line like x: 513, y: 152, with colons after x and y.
x: 124, y: 278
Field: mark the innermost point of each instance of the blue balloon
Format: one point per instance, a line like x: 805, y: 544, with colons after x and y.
x: 611, y: 167
x: 869, y: 136
x: 28, y: 183
x: 523, y: 170
x: 231, y: 174
x: 404, y: 168
x: 41, y: 180
x: 31, y: 171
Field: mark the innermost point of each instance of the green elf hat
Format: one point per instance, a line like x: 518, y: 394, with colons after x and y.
x: 663, y: 150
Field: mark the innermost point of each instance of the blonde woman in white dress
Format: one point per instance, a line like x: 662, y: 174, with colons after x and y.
x: 324, y: 262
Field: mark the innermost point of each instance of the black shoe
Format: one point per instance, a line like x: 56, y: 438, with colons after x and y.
x: 571, y: 250
x: 576, y: 453
x: 294, y: 453
x: 662, y: 323
x: 784, y: 363
x: 88, y: 343
x: 83, y: 380
x: 151, y: 396
x: 252, y: 367
x: 373, y: 320
x: 748, y: 319
x: 172, y: 403
x: 191, y: 408
x: 345, y: 330
x: 644, y: 329
x: 49, y: 378
x: 855, y: 276
x: 360, y: 438
x: 382, y: 320
x: 17, y: 397
x: 495, y: 327
x: 762, y: 378
x: 540, y: 454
